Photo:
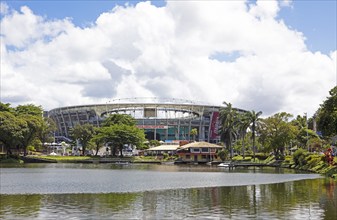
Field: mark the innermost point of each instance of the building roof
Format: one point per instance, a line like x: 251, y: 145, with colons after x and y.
x: 164, y: 147
x: 200, y: 144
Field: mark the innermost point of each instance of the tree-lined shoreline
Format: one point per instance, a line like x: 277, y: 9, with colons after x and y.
x: 23, y: 130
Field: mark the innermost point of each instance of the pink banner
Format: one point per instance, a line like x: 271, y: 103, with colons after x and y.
x: 214, y: 125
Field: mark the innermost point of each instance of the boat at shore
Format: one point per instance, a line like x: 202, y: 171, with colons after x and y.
x: 225, y: 165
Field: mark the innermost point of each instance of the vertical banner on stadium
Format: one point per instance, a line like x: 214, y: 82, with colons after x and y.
x: 214, y: 125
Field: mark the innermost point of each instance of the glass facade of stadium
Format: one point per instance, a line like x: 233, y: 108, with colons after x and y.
x: 166, y: 120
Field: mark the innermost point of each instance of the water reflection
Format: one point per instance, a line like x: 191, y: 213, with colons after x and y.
x: 304, y: 199
x: 64, y: 178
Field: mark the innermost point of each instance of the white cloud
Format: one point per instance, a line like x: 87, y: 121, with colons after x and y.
x: 21, y: 29
x: 265, y: 9
x: 169, y: 51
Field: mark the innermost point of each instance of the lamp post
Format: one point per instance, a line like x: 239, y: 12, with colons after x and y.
x: 106, y: 106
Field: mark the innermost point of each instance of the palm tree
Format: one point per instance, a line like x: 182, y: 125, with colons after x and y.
x: 243, y: 125
x: 254, y: 120
x: 227, y: 128
x: 194, y: 133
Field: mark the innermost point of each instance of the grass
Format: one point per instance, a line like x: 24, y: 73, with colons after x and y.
x: 64, y: 158
x: 10, y: 160
x: 311, y: 162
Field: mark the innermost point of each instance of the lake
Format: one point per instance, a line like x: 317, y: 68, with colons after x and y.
x: 148, y: 191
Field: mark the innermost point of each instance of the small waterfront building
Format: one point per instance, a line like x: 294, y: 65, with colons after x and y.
x: 198, y: 152
x: 169, y: 149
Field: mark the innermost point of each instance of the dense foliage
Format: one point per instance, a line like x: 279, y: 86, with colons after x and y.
x: 279, y: 134
x: 23, y: 126
x: 117, y: 131
x: 276, y: 133
x: 83, y: 133
x: 327, y: 115
x: 234, y: 125
x: 227, y: 128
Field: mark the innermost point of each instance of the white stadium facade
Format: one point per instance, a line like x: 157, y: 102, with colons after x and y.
x: 162, y: 119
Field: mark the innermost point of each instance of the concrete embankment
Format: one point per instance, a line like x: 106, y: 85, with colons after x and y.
x: 37, y: 160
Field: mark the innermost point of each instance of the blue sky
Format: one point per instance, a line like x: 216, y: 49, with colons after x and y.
x: 315, y: 18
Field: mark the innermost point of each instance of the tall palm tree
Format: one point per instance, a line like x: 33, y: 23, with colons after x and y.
x: 227, y: 128
x: 243, y: 125
x: 254, y: 119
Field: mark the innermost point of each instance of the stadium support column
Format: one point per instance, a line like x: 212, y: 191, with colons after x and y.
x: 96, y: 116
x: 201, y: 130
x: 155, y: 129
x: 70, y: 119
x: 178, y: 128
x: 87, y: 115
x: 189, y: 129
x: 60, y: 131
x: 210, y: 124
x: 64, y: 126
x: 167, y: 124
x: 78, y: 118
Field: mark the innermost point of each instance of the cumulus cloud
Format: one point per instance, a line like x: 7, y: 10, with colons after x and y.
x: 212, y: 51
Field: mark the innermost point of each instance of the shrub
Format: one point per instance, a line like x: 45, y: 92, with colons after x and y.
x: 261, y: 156
x: 223, y: 154
x: 332, y: 172
x: 31, y: 148
x: 314, y: 159
x: 299, y: 157
x: 165, y: 155
x: 270, y: 159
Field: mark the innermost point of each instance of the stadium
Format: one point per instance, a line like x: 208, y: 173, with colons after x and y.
x: 163, y: 119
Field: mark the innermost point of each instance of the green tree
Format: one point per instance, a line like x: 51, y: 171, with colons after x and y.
x: 120, y: 134
x: 223, y: 154
x: 154, y: 143
x: 20, y: 126
x: 97, y: 140
x: 276, y: 132
x: 327, y: 115
x: 227, y: 126
x: 300, y: 122
x: 254, y: 120
x: 6, y: 108
x: 194, y: 133
x: 33, y: 115
x: 243, y: 125
x: 48, y: 129
x: 118, y: 130
x: 34, y: 125
x: 12, y: 130
x: 304, y: 136
x: 119, y: 119
x: 29, y: 109
x: 84, y: 133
